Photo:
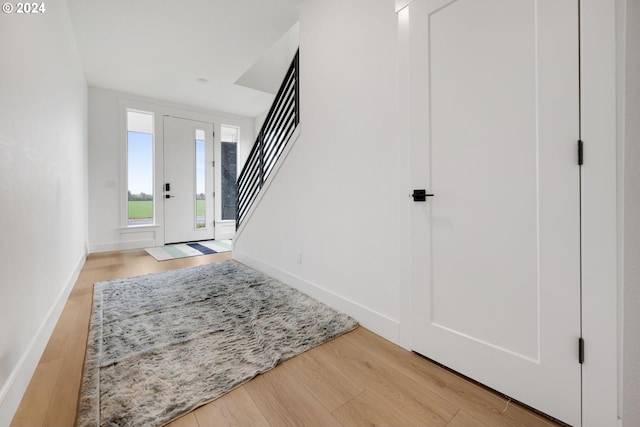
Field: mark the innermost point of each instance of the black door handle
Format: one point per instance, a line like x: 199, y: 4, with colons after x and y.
x: 421, y: 195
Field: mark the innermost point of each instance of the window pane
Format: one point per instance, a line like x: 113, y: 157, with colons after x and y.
x: 201, y: 204
x: 229, y: 134
x: 229, y: 171
x: 140, y: 168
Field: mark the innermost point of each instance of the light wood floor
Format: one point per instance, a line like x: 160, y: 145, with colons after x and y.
x: 358, y: 379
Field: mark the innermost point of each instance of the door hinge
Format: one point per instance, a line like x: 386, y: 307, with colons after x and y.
x: 581, y: 350
x: 214, y: 133
x: 213, y: 194
x: 580, y: 153
x: 213, y: 163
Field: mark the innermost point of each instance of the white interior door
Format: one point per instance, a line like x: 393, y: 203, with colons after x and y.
x: 494, y: 124
x: 188, y: 172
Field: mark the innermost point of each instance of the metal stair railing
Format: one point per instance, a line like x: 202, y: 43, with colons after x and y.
x: 281, y: 121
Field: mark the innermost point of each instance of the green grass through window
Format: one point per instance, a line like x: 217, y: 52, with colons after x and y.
x: 144, y: 209
x: 140, y: 209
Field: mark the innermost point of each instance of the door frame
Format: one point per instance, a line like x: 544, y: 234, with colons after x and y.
x: 600, y: 205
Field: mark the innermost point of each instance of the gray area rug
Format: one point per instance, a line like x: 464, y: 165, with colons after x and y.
x: 163, y: 344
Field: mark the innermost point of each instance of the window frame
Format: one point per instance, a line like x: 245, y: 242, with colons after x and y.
x: 124, y: 175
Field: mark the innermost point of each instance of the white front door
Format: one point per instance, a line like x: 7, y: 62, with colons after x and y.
x: 494, y: 123
x: 188, y: 173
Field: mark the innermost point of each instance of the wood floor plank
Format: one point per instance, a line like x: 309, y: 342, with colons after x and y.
x: 63, y: 408
x: 399, y: 390
x: 462, y: 419
x: 235, y: 409
x: 323, y: 380
x: 66, y: 347
x: 284, y: 402
x: 369, y: 409
x: 35, y: 404
x: 99, y: 267
x: 64, y: 330
x: 188, y: 420
x: 528, y: 417
x: 482, y: 404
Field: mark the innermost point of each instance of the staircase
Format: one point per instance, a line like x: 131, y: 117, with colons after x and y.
x: 279, y: 125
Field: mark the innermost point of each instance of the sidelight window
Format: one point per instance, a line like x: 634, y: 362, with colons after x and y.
x: 229, y: 166
x: 139, y: 168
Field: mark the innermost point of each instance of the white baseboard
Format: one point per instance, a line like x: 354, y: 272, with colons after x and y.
x: 14, y: 388
x: 366, y: 317
x: 122, y: 246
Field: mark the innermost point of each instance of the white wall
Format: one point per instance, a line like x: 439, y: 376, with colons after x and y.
x: 631, y: 247
x: 43, y: 193
x: 334, y: 199
x: 259, y: 121
x: 107, y: 136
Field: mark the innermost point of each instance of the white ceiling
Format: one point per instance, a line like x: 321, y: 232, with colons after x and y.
x: 269, y: 71
x: 160, y: 48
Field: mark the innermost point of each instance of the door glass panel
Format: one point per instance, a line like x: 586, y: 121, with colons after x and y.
x: 200, y: 197
x: 229, y: 171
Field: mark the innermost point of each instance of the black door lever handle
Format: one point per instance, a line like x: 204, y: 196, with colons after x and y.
x: 421, y: 195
